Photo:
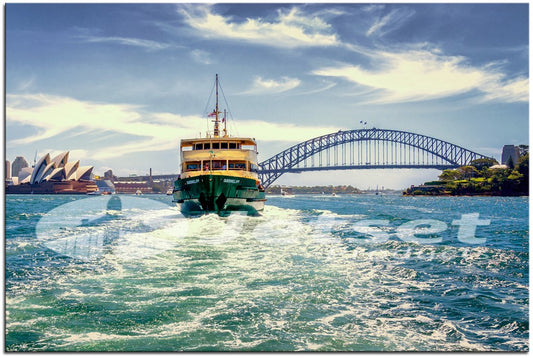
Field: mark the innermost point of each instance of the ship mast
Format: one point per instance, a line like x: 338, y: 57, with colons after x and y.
x: 216, y: 130
x: 216, y: 112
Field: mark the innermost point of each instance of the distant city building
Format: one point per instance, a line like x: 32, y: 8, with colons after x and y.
x: 24, y: 173
x: 109, y: 175
x: 17, y: 166
x: 132, y: 187
x: 510, y: 153
x: 8, y: 169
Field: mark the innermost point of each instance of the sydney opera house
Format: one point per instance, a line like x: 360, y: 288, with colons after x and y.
x: 53, y: 176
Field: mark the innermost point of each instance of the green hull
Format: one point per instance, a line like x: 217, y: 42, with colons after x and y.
x: 221, y: 194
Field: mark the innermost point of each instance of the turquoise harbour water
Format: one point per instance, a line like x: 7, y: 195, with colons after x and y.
x: 90, y: 274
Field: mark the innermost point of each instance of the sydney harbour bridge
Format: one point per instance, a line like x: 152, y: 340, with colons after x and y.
x: 362, y: 149
x: 366, y: 149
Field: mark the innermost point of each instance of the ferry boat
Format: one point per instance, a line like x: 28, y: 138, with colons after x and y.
x: 219, y: 173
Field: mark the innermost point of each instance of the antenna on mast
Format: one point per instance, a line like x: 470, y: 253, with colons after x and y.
x: 216, y: 112
x: 216, y: 130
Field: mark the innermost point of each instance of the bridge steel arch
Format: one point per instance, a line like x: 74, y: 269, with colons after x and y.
x: 287, y: 161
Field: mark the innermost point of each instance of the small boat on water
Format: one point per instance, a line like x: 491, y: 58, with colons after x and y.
x: 219, y: 173
x: 286, y: 194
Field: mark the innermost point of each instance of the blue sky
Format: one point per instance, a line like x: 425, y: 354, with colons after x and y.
x: 120, y: 84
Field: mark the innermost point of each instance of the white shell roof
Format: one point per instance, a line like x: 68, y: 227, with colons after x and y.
x: 84, y: 173
x: 46, y: 172
x: 70, y: 170
x: 57, y: 174
x: 39, y: 168
x: 61, y: 159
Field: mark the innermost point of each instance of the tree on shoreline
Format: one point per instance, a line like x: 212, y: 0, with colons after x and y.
x: 479, y: 177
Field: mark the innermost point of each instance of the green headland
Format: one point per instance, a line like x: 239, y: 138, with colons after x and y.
x: 481, y: 177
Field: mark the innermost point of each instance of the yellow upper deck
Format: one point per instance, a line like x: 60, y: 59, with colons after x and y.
x: 235, y: 156
x: 193, y: 143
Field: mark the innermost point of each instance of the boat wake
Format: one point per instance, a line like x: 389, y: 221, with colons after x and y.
x: 139, y: 276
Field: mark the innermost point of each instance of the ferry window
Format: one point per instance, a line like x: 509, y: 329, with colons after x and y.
x: 193, y: 166
x: 232, y: 145
x: 216, y: 145
x: 254, y: 167
x: 198, y: 146
x: 248, y: 147
x: 186, y: 148
x: 237, y: 166
x: 207, y: 145
x: 217, y: 165
x: 224, y: 145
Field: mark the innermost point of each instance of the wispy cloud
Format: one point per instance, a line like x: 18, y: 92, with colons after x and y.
x: 422, y: 74
x: 373, y: 7
x: 201, y: 56
x: 326, y: 86
x: 55, y: 116
x: 126, y: 41
x: 390, y: 21
x: 265, y: 86
x: 512, y: 90
x: 290, y: 29
x: 282, y: 132
x: 74, y: 154
x: 25, y: 85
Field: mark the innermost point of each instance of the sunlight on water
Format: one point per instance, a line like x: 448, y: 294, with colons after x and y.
x: 135, y: 275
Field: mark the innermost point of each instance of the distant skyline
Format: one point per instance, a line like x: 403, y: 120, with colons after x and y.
x: 118, y: 85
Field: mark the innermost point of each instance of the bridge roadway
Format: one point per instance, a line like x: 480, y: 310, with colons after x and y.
x: 348, y: 167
